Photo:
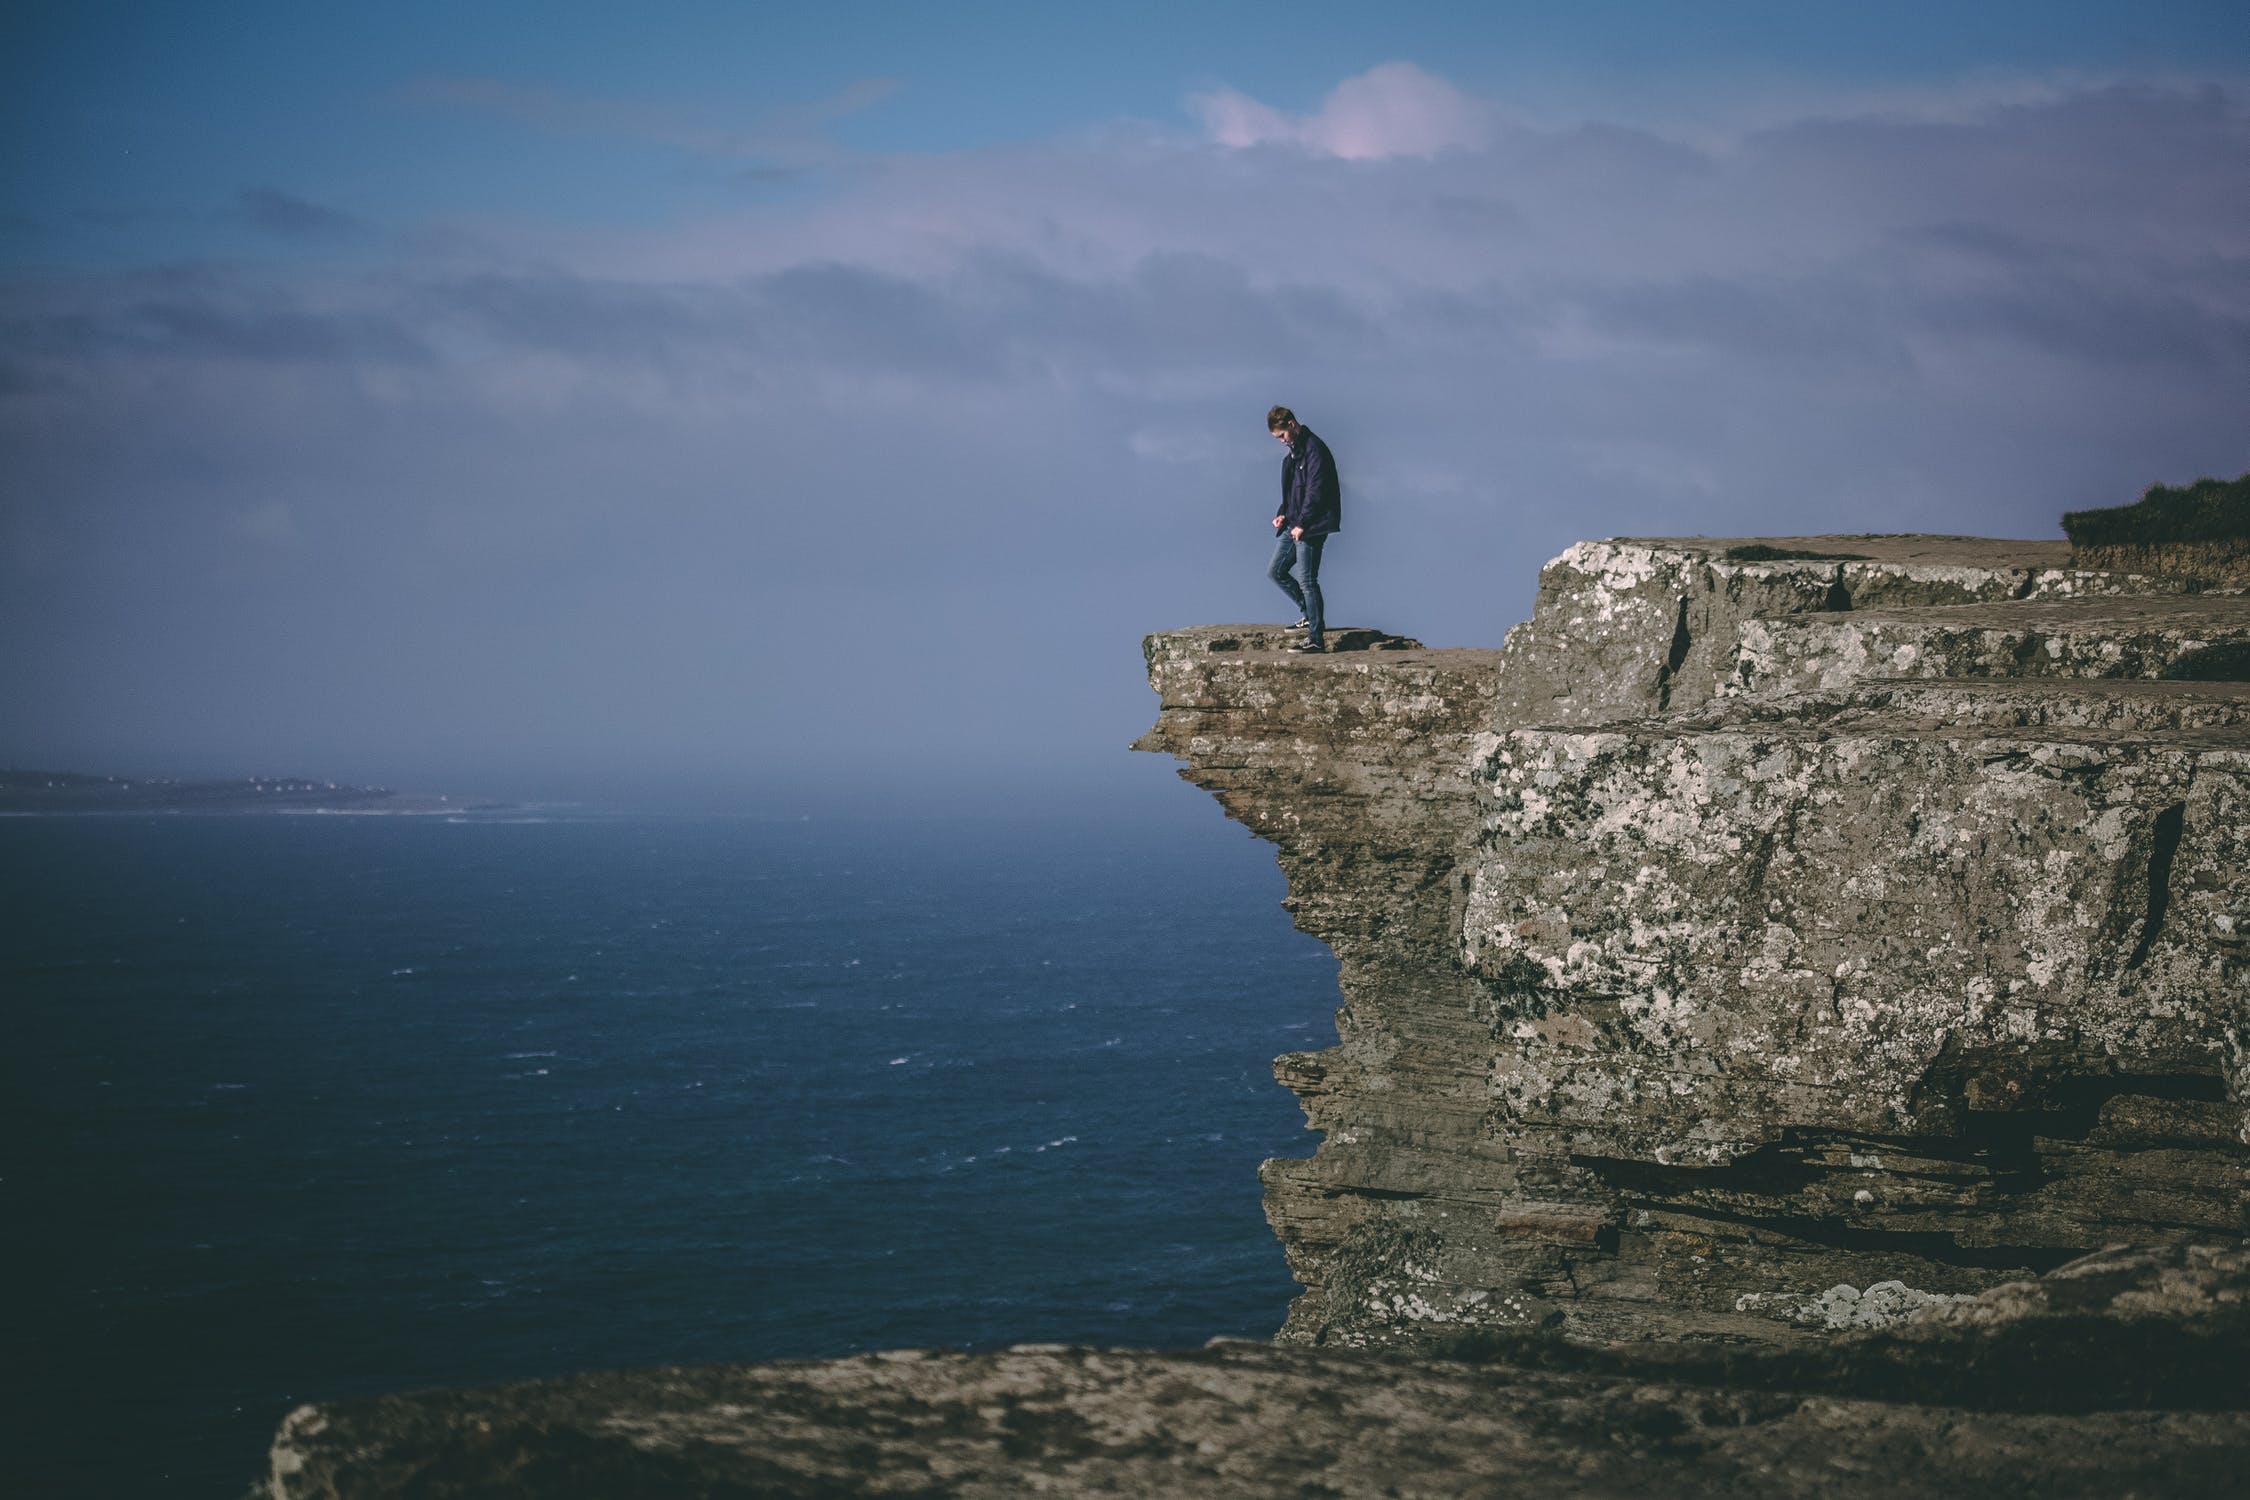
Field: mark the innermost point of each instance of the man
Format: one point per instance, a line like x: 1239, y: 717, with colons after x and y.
x: 1312, y: 511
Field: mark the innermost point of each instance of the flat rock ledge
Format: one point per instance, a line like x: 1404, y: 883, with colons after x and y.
x: 2117, y: 1375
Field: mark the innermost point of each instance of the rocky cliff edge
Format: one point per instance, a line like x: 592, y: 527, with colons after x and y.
x: 1777, y: 936
x: 1791, y: 1044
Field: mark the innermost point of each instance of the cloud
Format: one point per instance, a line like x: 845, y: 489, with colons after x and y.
x: 787, y: 133
x: 193, y: 315
x: 106, y: 216
x: 271, y: 522
x: 1010, y: 401
x: 1394, y: 109
x: 290, y: 217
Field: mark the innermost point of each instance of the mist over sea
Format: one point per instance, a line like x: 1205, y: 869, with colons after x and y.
x: 303, y: 1108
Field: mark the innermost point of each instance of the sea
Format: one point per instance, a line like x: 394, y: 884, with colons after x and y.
x: 304, y: 1108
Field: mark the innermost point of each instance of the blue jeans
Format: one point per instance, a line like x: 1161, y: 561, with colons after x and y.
x: 1286, y: 553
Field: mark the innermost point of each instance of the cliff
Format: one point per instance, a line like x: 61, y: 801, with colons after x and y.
x: 1775, y: 936
x: 1791, y: 1043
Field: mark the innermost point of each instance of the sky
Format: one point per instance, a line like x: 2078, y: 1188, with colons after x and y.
x: 759, y: 400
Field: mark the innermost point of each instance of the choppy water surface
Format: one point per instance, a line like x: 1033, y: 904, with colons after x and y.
x: 303, y: 1108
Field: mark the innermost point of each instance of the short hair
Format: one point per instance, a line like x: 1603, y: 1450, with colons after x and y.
x: 1280, y: 417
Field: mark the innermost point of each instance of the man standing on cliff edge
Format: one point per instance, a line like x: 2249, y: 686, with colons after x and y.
x: 1312, y: 511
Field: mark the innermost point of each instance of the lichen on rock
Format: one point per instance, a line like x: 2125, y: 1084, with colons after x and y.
x: 1770, y: 919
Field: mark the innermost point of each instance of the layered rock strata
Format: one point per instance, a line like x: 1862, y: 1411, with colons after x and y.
x: 1777, y: 936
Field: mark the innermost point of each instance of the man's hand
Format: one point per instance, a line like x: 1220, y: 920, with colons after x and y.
x: 1296, y: 533
x: 1277, y: 520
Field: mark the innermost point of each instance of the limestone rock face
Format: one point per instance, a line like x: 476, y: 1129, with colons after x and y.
x: 1775, y: 938
x: 1633, y: 625
x: 2106, y: 638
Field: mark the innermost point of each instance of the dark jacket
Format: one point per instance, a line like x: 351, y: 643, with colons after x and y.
x: 1311, y: 495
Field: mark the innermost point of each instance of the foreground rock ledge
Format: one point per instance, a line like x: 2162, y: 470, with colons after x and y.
x: 2117, y: 1375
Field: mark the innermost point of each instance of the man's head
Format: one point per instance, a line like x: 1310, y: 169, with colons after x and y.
x: 1282, y: 423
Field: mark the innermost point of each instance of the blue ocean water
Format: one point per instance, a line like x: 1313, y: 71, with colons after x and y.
x: 302, y: 1108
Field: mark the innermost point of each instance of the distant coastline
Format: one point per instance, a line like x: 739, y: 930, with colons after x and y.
x: 37, y: 793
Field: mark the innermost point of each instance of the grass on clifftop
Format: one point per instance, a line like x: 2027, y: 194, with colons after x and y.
x: 2206, y: 511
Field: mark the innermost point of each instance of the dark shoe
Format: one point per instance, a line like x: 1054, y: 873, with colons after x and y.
x: 1299, y: 623
x: 1307, y: 648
